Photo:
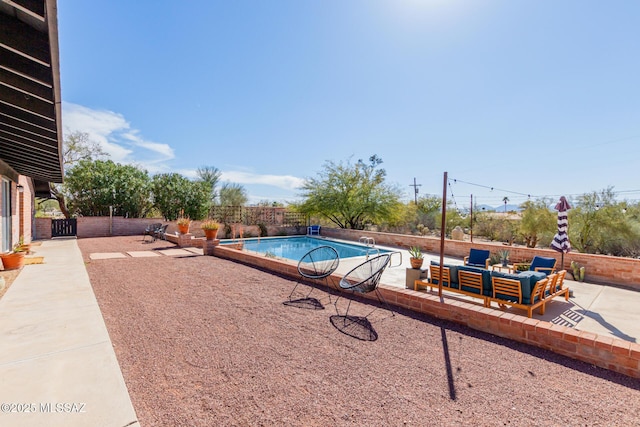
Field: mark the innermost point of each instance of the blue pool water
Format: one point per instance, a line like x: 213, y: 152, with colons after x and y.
x: 295, y: 248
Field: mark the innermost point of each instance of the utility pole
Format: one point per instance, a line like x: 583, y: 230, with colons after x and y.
x: 415, y: 190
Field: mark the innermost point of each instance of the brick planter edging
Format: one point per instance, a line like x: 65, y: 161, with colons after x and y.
x: 606, y: 352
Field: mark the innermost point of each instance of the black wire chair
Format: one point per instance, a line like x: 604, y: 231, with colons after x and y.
x: 364, y: 279
x: 317, y: 264
x: 150, y: 230
x: 161, y: 232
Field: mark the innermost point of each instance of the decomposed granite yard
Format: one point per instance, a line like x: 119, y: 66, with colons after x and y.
x: 203, y: 341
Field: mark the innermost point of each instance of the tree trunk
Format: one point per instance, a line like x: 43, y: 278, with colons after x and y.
x: 60, y: 198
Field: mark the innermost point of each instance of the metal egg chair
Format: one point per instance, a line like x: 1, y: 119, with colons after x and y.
x: 365, y: 278
x: 317, y: 264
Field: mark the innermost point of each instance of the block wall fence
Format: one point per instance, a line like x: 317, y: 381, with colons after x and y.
x: 104, y: 226
x: 601, y: 269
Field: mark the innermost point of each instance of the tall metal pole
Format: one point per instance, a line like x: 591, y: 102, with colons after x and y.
x: 442, y: 230
x: 471, y: 219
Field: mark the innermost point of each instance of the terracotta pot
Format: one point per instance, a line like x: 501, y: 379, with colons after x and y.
x: 211, y: 234
x: 183, y: 229
x: 416, y: 262
x: 12, y: 261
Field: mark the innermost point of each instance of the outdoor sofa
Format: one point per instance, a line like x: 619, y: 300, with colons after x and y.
x: 479, y: 283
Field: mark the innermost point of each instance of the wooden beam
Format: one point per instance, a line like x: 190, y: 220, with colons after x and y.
x: 13, y: 152
x: 28, y: 86
x: 25, y: 102
x: 17, y: 36
x: 34, y: 8
x: 23, y: 66
x: 12, y: 122
x: 21, y: 137
x: 8, y: 171
x: 8, y: 110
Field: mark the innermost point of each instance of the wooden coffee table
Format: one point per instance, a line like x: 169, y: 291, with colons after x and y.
x: 500, y: 267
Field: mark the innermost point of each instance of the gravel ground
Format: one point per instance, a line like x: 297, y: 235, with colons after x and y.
x: 203, y: 341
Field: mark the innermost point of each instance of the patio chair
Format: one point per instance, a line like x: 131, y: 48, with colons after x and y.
x: 161, y: 232
x: 509, y: 292
x: 150, y: 230
x: 556, y: 287
x: 477, y: 258
x: 540, y: 263
x: 365, y: 278
x: 313, y: 230
x: 318, y: 264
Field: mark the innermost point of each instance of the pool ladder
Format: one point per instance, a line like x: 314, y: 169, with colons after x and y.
x: 370, y: 243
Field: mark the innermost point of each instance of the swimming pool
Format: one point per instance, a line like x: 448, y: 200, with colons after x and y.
x: 295, y: 248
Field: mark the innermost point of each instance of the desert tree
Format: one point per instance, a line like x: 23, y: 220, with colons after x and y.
x: 350, y: 195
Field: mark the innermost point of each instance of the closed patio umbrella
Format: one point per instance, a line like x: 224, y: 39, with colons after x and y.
x: 560, y: 241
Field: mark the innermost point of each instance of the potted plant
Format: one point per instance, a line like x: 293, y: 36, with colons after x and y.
x: 183, y: 224
x: 210, y: 228
x: 504, y: 257
x: 26, y: 247
x: 415, y: 257
x: 14, y: 259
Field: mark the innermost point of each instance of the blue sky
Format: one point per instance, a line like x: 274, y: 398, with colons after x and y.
x: 535, y: 98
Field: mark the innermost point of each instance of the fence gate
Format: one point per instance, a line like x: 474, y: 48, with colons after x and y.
x: 64, y: 227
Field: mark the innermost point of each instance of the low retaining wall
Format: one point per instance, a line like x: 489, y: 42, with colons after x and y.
x: 602, y: 269
x: 605, y: 352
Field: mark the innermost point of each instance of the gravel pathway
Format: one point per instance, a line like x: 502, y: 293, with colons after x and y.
x: 203, y: 341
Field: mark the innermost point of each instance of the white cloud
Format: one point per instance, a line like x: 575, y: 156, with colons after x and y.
x: 116, y: 137
x: 286, y: 182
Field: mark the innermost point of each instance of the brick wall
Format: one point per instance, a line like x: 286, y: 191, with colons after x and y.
x: 103, y: 226
x: 599, y: 268
x: 43, y: 228
x: 609, y: 353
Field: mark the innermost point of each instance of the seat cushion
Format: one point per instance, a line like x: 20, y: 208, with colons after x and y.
x: 533, y: 277
x: 453, y: 273
x: 544, y: 262
x: 478, y: 257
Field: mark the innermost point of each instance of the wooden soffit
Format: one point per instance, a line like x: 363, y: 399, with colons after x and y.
x: 30, y: 103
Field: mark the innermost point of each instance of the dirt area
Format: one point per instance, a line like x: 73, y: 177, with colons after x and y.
x: 203, y: 341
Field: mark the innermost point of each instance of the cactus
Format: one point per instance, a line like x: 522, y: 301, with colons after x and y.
x: 577, y: 271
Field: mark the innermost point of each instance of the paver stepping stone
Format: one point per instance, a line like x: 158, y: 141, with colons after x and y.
x: 107, y: 255
x: 175, y: 252
x: 142, y: 254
